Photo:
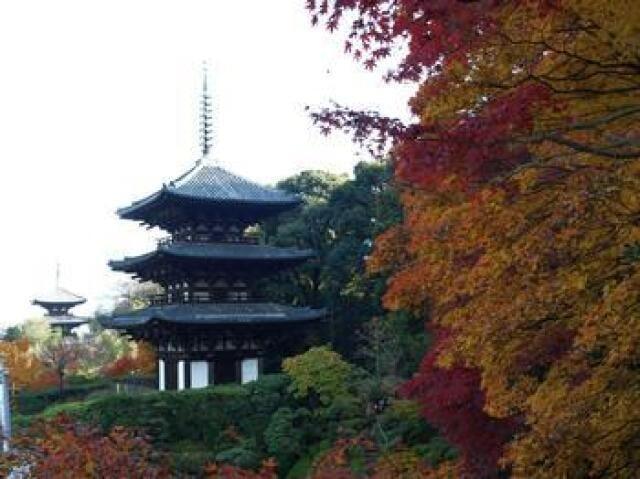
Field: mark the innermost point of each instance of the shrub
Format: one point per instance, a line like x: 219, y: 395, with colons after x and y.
x: 285, y: 435
x: 320, y: 371
x: 28, y: 402
x: 203, y: 416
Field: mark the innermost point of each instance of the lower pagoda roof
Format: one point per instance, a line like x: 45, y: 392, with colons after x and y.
x: 223, y: 314
x: 66, y: 320
x: 213, y: 252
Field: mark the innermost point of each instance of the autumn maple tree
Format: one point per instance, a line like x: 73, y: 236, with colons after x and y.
x: 61, y: 354
x: 520, y: 241
x: 65, y: 448
x: 21, y: 363
x: 140, y: 361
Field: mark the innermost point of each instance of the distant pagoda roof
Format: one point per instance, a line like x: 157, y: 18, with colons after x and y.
x: 59, y: 296
x: 206, y: 183
x: 223, y: 314
x: 66, y: 320
x: 224, y: 252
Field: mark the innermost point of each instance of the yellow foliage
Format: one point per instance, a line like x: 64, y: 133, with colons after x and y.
x: 23, y: 366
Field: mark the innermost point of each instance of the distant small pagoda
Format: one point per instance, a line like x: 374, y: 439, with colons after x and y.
x: 58, y: 304
x: 211, y: 325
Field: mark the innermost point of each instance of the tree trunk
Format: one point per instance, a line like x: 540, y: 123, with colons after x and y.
x: 60, y: 382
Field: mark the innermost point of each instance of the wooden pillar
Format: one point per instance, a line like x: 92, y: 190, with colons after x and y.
x: 187, y: 374
x: 238, y: 367
x: 171, y: 374
x: 212, y: 374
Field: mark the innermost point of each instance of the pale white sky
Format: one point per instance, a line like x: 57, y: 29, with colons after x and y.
x: 98, y: 107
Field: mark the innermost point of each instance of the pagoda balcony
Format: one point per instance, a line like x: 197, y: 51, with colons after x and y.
x: 163, y: 300
x: 208, y: 238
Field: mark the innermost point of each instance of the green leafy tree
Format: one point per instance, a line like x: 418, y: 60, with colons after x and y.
x: 339, y: 219
x: 36, y: 330
x: 313, y: 186
x: 100, y: 349
x: 132, y: 296
x: 13, y: 333
x: 285, y: 435
x: 320, y: 374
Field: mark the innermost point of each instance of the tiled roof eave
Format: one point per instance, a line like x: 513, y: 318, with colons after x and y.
x: 233, y: 201
x: 137, y: 209
x: 273, y: 255
x: 131, y: 211
x: 197, y: 315
x: 215, y: 186
x: 61, y: 302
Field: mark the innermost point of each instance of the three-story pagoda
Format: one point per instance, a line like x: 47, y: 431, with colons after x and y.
x: 211, y: 324
x: 58, y: 303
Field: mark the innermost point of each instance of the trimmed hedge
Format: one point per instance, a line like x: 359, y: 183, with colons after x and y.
x: 34, y: 402
x: 215, y: 417
x: 243, y: 425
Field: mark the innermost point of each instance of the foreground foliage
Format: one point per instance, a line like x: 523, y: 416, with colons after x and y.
x: 243, y: 426
x: 520, y: 237
x: 23, y: 366
x: 67, y: 449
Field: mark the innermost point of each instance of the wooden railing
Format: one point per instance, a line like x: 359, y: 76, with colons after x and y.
x: 208, y: 238
x: 162, y: 299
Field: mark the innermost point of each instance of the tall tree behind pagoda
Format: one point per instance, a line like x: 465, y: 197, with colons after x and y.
x: 339, y: 219
x: 521, y: 212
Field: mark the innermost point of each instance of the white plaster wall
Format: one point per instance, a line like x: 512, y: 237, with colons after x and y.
x: 199, y: 374
x: 180, y: 375
x: 161, y: 374
x: 249, y: 370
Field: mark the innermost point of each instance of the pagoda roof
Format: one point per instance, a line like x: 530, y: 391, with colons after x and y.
x: 210, y: 184
x: 59, y: 296
x: 214, y: 252
x: 223, y: 314
x: 67, y: 320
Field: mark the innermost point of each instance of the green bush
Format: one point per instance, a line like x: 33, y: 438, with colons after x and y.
x: 28, y: 402
x: 302, y: 467
x: 319, y: 372
x: 285, y: 434
x: 239, y: 456
x: 203, y: 416
x: 243, y: 425
x: 191, y: 462
x: 401, y: 422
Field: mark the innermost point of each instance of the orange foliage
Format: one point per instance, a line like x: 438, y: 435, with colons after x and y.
x: 522, y: 235
x: 45, y: 380
x: 142, y: 361
x: 402, y: 464
x: 538, y: 282
x: 26, y: 371
x: 398, y: 464
x: 62, y: 448
x: 337, y: 464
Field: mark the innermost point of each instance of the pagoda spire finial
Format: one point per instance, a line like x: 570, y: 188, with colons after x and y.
x: 57, y: 275
x: 206, y: 117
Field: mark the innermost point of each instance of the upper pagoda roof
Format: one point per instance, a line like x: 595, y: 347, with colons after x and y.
x: 210, y: 184
x: 224, y: 314
x: 59, y: 296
